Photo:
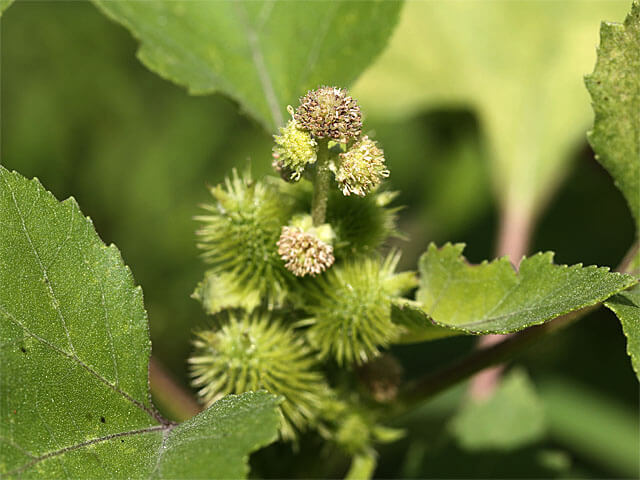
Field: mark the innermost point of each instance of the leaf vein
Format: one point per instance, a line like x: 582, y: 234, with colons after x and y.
x: 257, y: 59
x: 78, y: 446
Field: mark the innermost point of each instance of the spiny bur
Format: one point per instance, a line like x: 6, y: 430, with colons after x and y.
x: 350, y: 308
x: 253, y: 352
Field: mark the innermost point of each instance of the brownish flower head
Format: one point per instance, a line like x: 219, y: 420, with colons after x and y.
x: 329, y: 112
x: 303, y: 252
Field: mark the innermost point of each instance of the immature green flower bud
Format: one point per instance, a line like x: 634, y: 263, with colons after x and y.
x: 294, y: 150
x: 350, y: 308
x: 254, y: 352
x: 329, y: 112
x: 239, y: 236
x: 362, y: 168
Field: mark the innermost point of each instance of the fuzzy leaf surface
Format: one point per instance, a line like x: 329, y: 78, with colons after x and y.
x: 263, y: 54
x: 615, y: 90
x: 74, y: 354
x: 626, y: 305
x: 493, y: 298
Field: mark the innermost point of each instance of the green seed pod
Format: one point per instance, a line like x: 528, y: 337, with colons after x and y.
x: 256, y: 352
x: 329, y: 112
x: 362, y: 168
x: 239, y: 241
x: 294, y: 150
x: 350, y: 308
x: 362, y: 224
x: 306, y: 250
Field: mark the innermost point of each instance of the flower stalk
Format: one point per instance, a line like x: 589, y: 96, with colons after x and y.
x: 321, y: 183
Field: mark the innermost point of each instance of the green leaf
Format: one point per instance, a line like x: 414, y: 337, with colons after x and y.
x: 614, y: 86
x: 511, y: 418
x: 4, y: 4
x: 493, y: 298
x: 626, y: 305
x: 417, y: 325
x: 517, y: 65
x: 264, y: 54
x: 74, y: 354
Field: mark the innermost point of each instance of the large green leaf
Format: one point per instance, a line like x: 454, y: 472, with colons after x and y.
x: 264, y: 54
x: 518, y: 65
x: 74, y: 353
x: 494, y: 298
x: 615, y: 89
x: 626, y: 305
x: 4, y: 4
x: 512, y: 417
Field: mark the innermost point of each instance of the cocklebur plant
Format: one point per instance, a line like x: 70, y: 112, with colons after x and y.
x: 307, y: 238
x: 304, y: 295
x: 340, y: 302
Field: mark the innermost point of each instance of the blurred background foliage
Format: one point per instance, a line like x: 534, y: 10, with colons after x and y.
x: 82, y: 114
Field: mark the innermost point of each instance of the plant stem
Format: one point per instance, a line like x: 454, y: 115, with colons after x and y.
x: 438, y: 381
x: 513, y: 241
x: 321, y: 181
x: 176, y: 400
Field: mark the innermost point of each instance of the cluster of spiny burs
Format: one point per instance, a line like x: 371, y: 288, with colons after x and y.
x: 300, y: 296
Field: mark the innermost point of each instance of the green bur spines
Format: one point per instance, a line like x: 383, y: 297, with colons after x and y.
x: 253, y: 352
x: 239, y: 237
x: 350, y: 308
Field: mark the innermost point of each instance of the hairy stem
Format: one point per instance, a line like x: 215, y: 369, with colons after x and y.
x: 321, y: 182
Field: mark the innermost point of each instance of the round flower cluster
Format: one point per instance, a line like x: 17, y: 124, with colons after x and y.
x: 361, y: 168
x: 303, y: 252
x: 294, y: 150
x: 329, y: 112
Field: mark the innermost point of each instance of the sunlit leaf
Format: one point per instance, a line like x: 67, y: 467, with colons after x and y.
x: 493, y: 298
x: 4, y: 4
x: 517, y: 65
x: 264, y: 54
x: 615, y: 90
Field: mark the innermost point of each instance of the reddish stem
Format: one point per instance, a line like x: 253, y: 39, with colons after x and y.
x: 513, y: 242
